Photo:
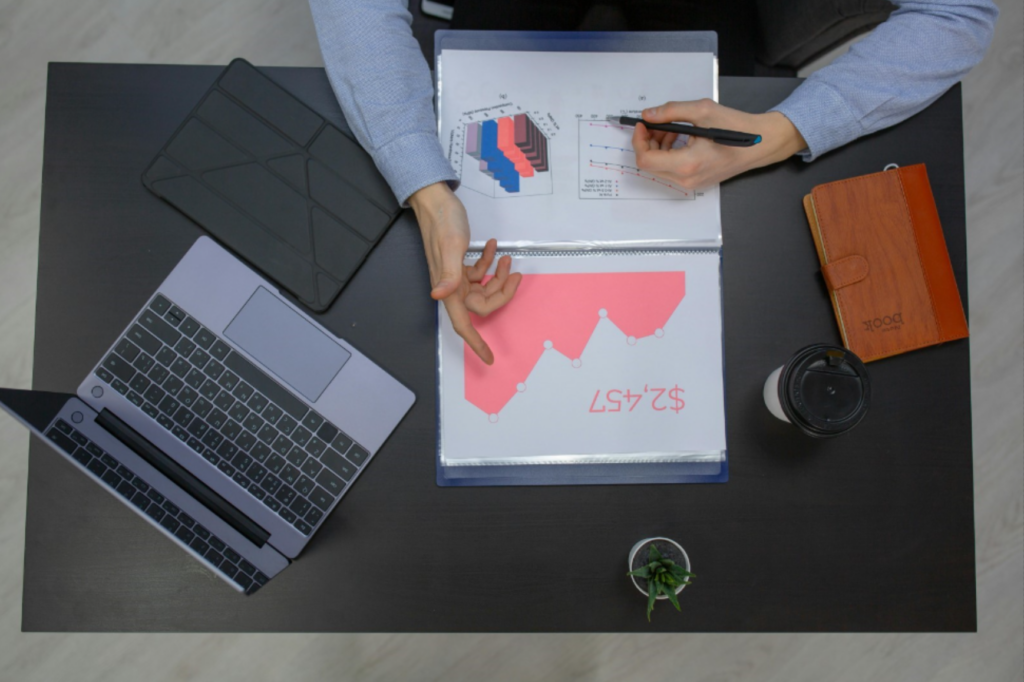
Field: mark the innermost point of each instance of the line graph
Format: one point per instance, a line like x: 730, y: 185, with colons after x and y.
x: 559, y: 314
x: 605, y: 170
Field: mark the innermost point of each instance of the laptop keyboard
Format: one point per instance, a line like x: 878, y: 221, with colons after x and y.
x: 234, y: 415
x: 138, y: 492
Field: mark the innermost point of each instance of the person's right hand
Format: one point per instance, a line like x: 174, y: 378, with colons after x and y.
x: 445, y: 229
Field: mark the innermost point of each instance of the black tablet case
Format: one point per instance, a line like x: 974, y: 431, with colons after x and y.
x: 276, y: 183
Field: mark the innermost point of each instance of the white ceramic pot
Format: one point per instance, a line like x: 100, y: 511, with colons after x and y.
x: 636, y: 548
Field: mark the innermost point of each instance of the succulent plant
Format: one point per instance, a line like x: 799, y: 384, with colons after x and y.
x: 663, y: 576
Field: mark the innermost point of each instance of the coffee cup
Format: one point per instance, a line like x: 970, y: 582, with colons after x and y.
x: 823, y: 390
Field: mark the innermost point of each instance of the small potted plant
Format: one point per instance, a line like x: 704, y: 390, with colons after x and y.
x: 660, y: 569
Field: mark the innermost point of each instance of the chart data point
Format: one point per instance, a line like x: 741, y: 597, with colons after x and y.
x: 577, y: 363
x: 631, y: 340
x: 548, y: 345
x: 602, y: 313
x: 493, y: 418
x: 659, y: 332
x: 521, y: 388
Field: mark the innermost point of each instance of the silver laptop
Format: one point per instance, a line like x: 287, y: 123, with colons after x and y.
x: 224, y: 416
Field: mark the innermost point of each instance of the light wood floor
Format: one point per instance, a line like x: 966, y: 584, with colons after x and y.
x: 280, y: 32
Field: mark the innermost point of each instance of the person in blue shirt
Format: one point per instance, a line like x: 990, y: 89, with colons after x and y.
x: 385, y: 90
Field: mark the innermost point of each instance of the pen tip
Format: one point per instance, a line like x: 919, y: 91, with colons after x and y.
x: 757, y: 139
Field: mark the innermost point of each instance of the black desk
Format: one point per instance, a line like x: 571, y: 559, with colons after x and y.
x: 870, y: 532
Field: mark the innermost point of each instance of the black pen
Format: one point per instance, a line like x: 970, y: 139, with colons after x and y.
x: 730, y: 138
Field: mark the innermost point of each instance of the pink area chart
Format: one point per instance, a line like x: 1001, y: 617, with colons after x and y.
x: 561, y: 312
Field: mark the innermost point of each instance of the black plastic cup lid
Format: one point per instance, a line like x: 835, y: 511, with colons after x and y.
x: 824, y: 390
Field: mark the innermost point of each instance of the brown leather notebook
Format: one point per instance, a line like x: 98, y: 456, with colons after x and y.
x: 885, y: 262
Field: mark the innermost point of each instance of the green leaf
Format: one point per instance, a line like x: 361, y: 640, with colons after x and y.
x: 642, y: 572
x: 672, y: 597
x: 652, y: 594
x: 654, y: 554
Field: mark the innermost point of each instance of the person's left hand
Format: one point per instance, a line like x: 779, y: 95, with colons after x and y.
x: 701, y: 162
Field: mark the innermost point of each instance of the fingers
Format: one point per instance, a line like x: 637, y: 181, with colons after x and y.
x: 452, y: 256
x: 496, y: 283
x: 463, y: 326
x: 695, y: 111
x: 484, y: 304
x: 480, y: 268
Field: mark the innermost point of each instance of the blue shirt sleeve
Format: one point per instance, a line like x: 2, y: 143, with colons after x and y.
x: 384, y: 87
x: 906, y: 63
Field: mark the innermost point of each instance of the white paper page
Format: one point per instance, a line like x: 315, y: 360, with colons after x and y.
x: 614, y: 355
x: 571, y: 179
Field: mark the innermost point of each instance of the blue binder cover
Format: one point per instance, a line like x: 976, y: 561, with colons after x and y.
x: 575, y: 474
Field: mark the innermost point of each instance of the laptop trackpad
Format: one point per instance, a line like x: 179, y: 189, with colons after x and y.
x: 287, y: 344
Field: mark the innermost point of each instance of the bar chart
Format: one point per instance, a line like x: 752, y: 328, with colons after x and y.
x: 506, y: 156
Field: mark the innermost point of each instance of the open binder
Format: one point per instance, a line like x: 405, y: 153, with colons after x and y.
x: 608, y: 363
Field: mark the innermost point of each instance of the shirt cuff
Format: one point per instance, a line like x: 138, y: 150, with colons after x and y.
x: 822, y: 116
x: 411, y: 162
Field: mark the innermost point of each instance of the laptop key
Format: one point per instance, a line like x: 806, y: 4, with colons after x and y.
x: 198, y: 428
x: 338, y: 464
x: 183, y: 416
x: 97, y: 468
x: 243, y: 580
x: 313, y: 421
x: 154, y: 394
x: 226, y: 468
x: 180, y: 433
x: 223, y: 400
x: 204, y: 338
x: 186, y: 520
x: 209, y: 390
x: 302, y: 435
x: 196, y: 444
x: 175, y: 315
x: 217, y: 543
x: 268, y: 434
x: 260, y: 452
x: 64, y: 427
x: 144, y: 363
x: 320, y: 498
x: 189, y: 327
x: 229, y: 569
x: 110, y: 461
x: 272, y: 504
x: 120, y: 386
x: 276, y: 463
x: 173, y: 385
x: 314, y: 515
x: 300, y: 505
x: 330, y: 482
x: 139, y: 383
x: 290, y: 474
x: 256, y: 472
x: 286, y: 425
x: 285, y: 495
x: 171, y: 508
x: 119, y: 367
x: 127, y: 350
x: 211, y: 457
x: 111, y: 479
x: 241, y: 461
x: 246, y: 567
x: 232, y: 555
x: 257, y: 402
x: 231, y: 429
x: 272, y: 413
x: 199, y: 546
x: 82, y: 457
x: 238, y: 412
x: 315, y: 446
x: 228, y: 380
x: 212, y: 555
x: 311, y: 467
x: 62, y: 441
x: 187, y: 397
x: 195, y: 379
x: 220, y: 350
x: 202, y: 532
x: 327, y: 432
x: 257, y: 492
x: 154, y: 512
x: 151, y: 410
x: 217, y: 419
x: 304, y: 486
x: 212, y: 439
x: 302, y: 526
x: 104, y: 374
x: 288, y: 515
x: 342, y: 442
x: 124, y: 472
x: 184, y: 534
x: 126, y: 489
x: 271, y: 484
x: 281, y: 446
x: 166, y: 356
x: 214, y: 369
x: 159, y: 328
x: 202, y: 407
x: 180, y: 367
x: 94, y: 450
x: 155, y: 496
x: 260, y: 578
x: 159, y: 374
x: 140, y: 501
x: 245, y: 441
x: 241, y: 480
x: 242, y: 391
x: 296, y: 456
x: 165, y: 421
x: 357, y: 454
x: 169, y: 405
x: 227, y: 450
x: 185, y: 347
x: 160, y: 304
x: 199, y: 358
